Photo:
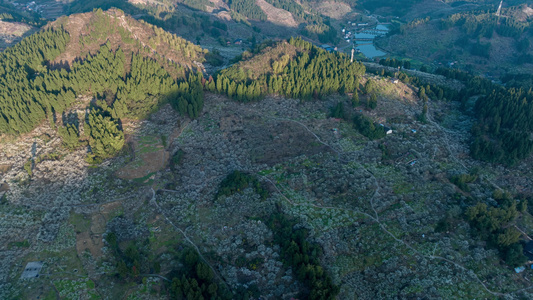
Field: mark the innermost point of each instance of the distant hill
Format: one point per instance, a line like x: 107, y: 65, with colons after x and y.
x: 477, y: 40
x: 271, y: 17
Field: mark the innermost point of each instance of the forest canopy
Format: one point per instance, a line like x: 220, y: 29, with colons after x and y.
x: 313, y: 73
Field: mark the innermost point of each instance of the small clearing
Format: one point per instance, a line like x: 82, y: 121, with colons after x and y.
x: 276, y: 15
x: 12, y: 32
x: 335, y: 10
x: 217, y: 5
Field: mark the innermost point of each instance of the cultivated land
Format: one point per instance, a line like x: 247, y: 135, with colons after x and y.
x: 371, y: 209
x: 386, y: 214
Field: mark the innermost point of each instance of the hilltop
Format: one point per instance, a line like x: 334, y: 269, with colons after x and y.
x: 88, y: 31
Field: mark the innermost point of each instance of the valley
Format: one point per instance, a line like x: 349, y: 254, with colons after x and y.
x: 217, y: 149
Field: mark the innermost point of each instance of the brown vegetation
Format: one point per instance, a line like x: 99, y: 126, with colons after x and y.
x: 276, y: 15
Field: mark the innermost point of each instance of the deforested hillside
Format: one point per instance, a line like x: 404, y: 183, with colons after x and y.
x: 282, y: 169
x: 243, y: 18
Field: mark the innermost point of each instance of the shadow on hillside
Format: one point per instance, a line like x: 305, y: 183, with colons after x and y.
x: 180, y: 27
x: 4, y: 44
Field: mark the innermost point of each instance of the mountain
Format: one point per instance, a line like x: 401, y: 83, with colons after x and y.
x: 81, y: 54
x: 135, y: 163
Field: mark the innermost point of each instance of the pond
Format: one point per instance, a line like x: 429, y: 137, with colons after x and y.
x: 370, y: 51
x: 382, y: 27
x: 367, y: 47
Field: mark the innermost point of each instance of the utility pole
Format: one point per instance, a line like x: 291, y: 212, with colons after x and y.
x: 499, y: 12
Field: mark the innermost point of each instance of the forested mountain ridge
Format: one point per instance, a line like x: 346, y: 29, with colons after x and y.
x: 476, y: 40
x: 128, y: 66
x: 89, y: 30
x: 294, y: 68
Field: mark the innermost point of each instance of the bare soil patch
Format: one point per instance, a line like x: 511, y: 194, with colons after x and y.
x: 224, y: 15
x: 218, y: 5
x: 86, y: 241
x: 4, y: 187
x: 13, y: 28
x: 5, y: 168
x: 144, y: 165
x: 335, y: 10
x: 277, y: 15
x: 98, y: 223
x: 12, y: 32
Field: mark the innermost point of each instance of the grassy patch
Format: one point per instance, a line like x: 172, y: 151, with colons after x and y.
x: 144, y: 178
x: 80, y: 222
x: 265, y: 172
x: 401, y: 188
x: 76, y: 289
x: 149, y: 144
x: 22, y: 244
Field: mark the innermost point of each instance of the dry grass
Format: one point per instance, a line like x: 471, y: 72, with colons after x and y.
x: 276, y: 15
x: 262, y: 63
x: 12, y: 33
x: 14, y: 29
x: 335, y: 10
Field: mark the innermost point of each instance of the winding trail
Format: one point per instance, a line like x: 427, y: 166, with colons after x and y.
x: 445, y: 133
x: 376, y: 219
x: 154, y: 200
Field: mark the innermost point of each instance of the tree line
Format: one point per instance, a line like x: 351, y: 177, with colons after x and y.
x: 23, y: 104
x: 505, y: 122
x: 493, y: 224
x: 238, y: 181
x: 395, y: 63
x: 196, y: 280
x: 247, y: 8
x: 502, y: 131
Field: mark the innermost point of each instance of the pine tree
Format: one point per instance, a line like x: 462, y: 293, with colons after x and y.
x: 69, y: 135
x: 355, y: 99
x: 105, y: 139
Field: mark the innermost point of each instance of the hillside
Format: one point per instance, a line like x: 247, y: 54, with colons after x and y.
x: 61, y: 60
x: 240, y: 197
x: 130, y: 171
x: 473, y: 41
x: 88, y: 31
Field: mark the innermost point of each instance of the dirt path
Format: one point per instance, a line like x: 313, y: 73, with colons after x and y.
x: 445, y: 136
x: 161, y: 211
x: 375, y: 218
